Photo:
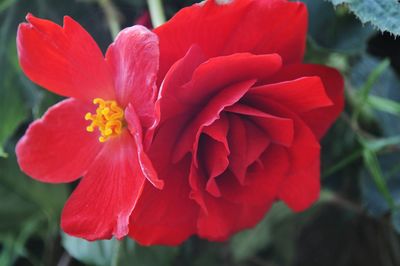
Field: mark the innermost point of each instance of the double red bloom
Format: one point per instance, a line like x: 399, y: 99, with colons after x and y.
x: 234, y: 128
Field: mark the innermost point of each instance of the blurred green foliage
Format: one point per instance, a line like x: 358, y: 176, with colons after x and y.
x: 355, y: 223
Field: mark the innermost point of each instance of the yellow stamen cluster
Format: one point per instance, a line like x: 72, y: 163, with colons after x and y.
x: 108, y: 119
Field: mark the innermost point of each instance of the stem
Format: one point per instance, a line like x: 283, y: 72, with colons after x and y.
x: 156, y: 12
x: 112, y: 16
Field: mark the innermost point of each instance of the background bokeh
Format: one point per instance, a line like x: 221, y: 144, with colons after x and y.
x: 355, y: 223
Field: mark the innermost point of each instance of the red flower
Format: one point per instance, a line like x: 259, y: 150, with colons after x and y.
x: 240, y: 117
x: 87, y: 135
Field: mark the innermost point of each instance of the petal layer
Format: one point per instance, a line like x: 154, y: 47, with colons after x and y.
x: 168, y: 216
x: 258, y: 27
x: 57, y: 148
x: 318, y: 119
x: 133, y: 60
x: 65, y: 60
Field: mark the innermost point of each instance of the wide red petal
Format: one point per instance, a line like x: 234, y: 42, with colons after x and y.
x: 168, y: 216
x: 65, y: 60
x: 102, y: 203
x: 319, y: 119
x: 57, y: 148
x: 258, y: 27
x: 133, y: 60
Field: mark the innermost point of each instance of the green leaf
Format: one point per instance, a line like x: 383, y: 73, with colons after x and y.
x: 4, y: 4
x: 364, y: 92
x: 329, y: 29
x: 117, y: 253
x: 96, y: 253
x: 12, y: 109
x: 373, y: 166
x: 27, y: 197
x: 134, y: 254
x: 385, y: 105
x: 383, y: 14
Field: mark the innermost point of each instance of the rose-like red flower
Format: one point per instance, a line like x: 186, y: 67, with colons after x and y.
x: 240, y: 118
x: 99, y: 132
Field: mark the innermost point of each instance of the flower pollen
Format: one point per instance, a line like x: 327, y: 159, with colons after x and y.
x: 109, y: 119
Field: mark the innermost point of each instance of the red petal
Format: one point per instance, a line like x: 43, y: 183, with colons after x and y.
x: 179, y: 74
x: 263, y: 182
x: 168, y: 216
x: 57, y: 148
x: 259, y: 27
x: 246, y: 142
x: 190, y: 136
x: 212, y: 85
x: 279, y: 130
x: 319, y: 120
x: 133, y: 59
x: 217, y: 131
x: 214, y: 156
x: 146, y: 166
x: 300, y: 95
x: 217, y: 73
x: 302, y: 185
x: 224, y: 218
x: 64, y: 60
x: 218, y: 217
x: 102, y: 203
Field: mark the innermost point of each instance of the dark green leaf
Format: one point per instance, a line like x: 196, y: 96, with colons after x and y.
x: 383, y: 14
x: 333, y: 31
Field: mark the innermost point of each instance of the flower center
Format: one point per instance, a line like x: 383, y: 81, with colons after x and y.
x: 109, y: 119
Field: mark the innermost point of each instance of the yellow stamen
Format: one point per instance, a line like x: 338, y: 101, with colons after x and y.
x: 109, y: 119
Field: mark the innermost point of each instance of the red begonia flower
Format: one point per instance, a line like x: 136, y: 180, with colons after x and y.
x: 101, y: 131
x: 240, y: 118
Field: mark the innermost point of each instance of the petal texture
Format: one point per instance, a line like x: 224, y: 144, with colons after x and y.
x: 258, y: 27
x: 133, y: 60
x: 318, y: 119
x: 57, y: 148
x: 65, y: 60
x: 102, y: 203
